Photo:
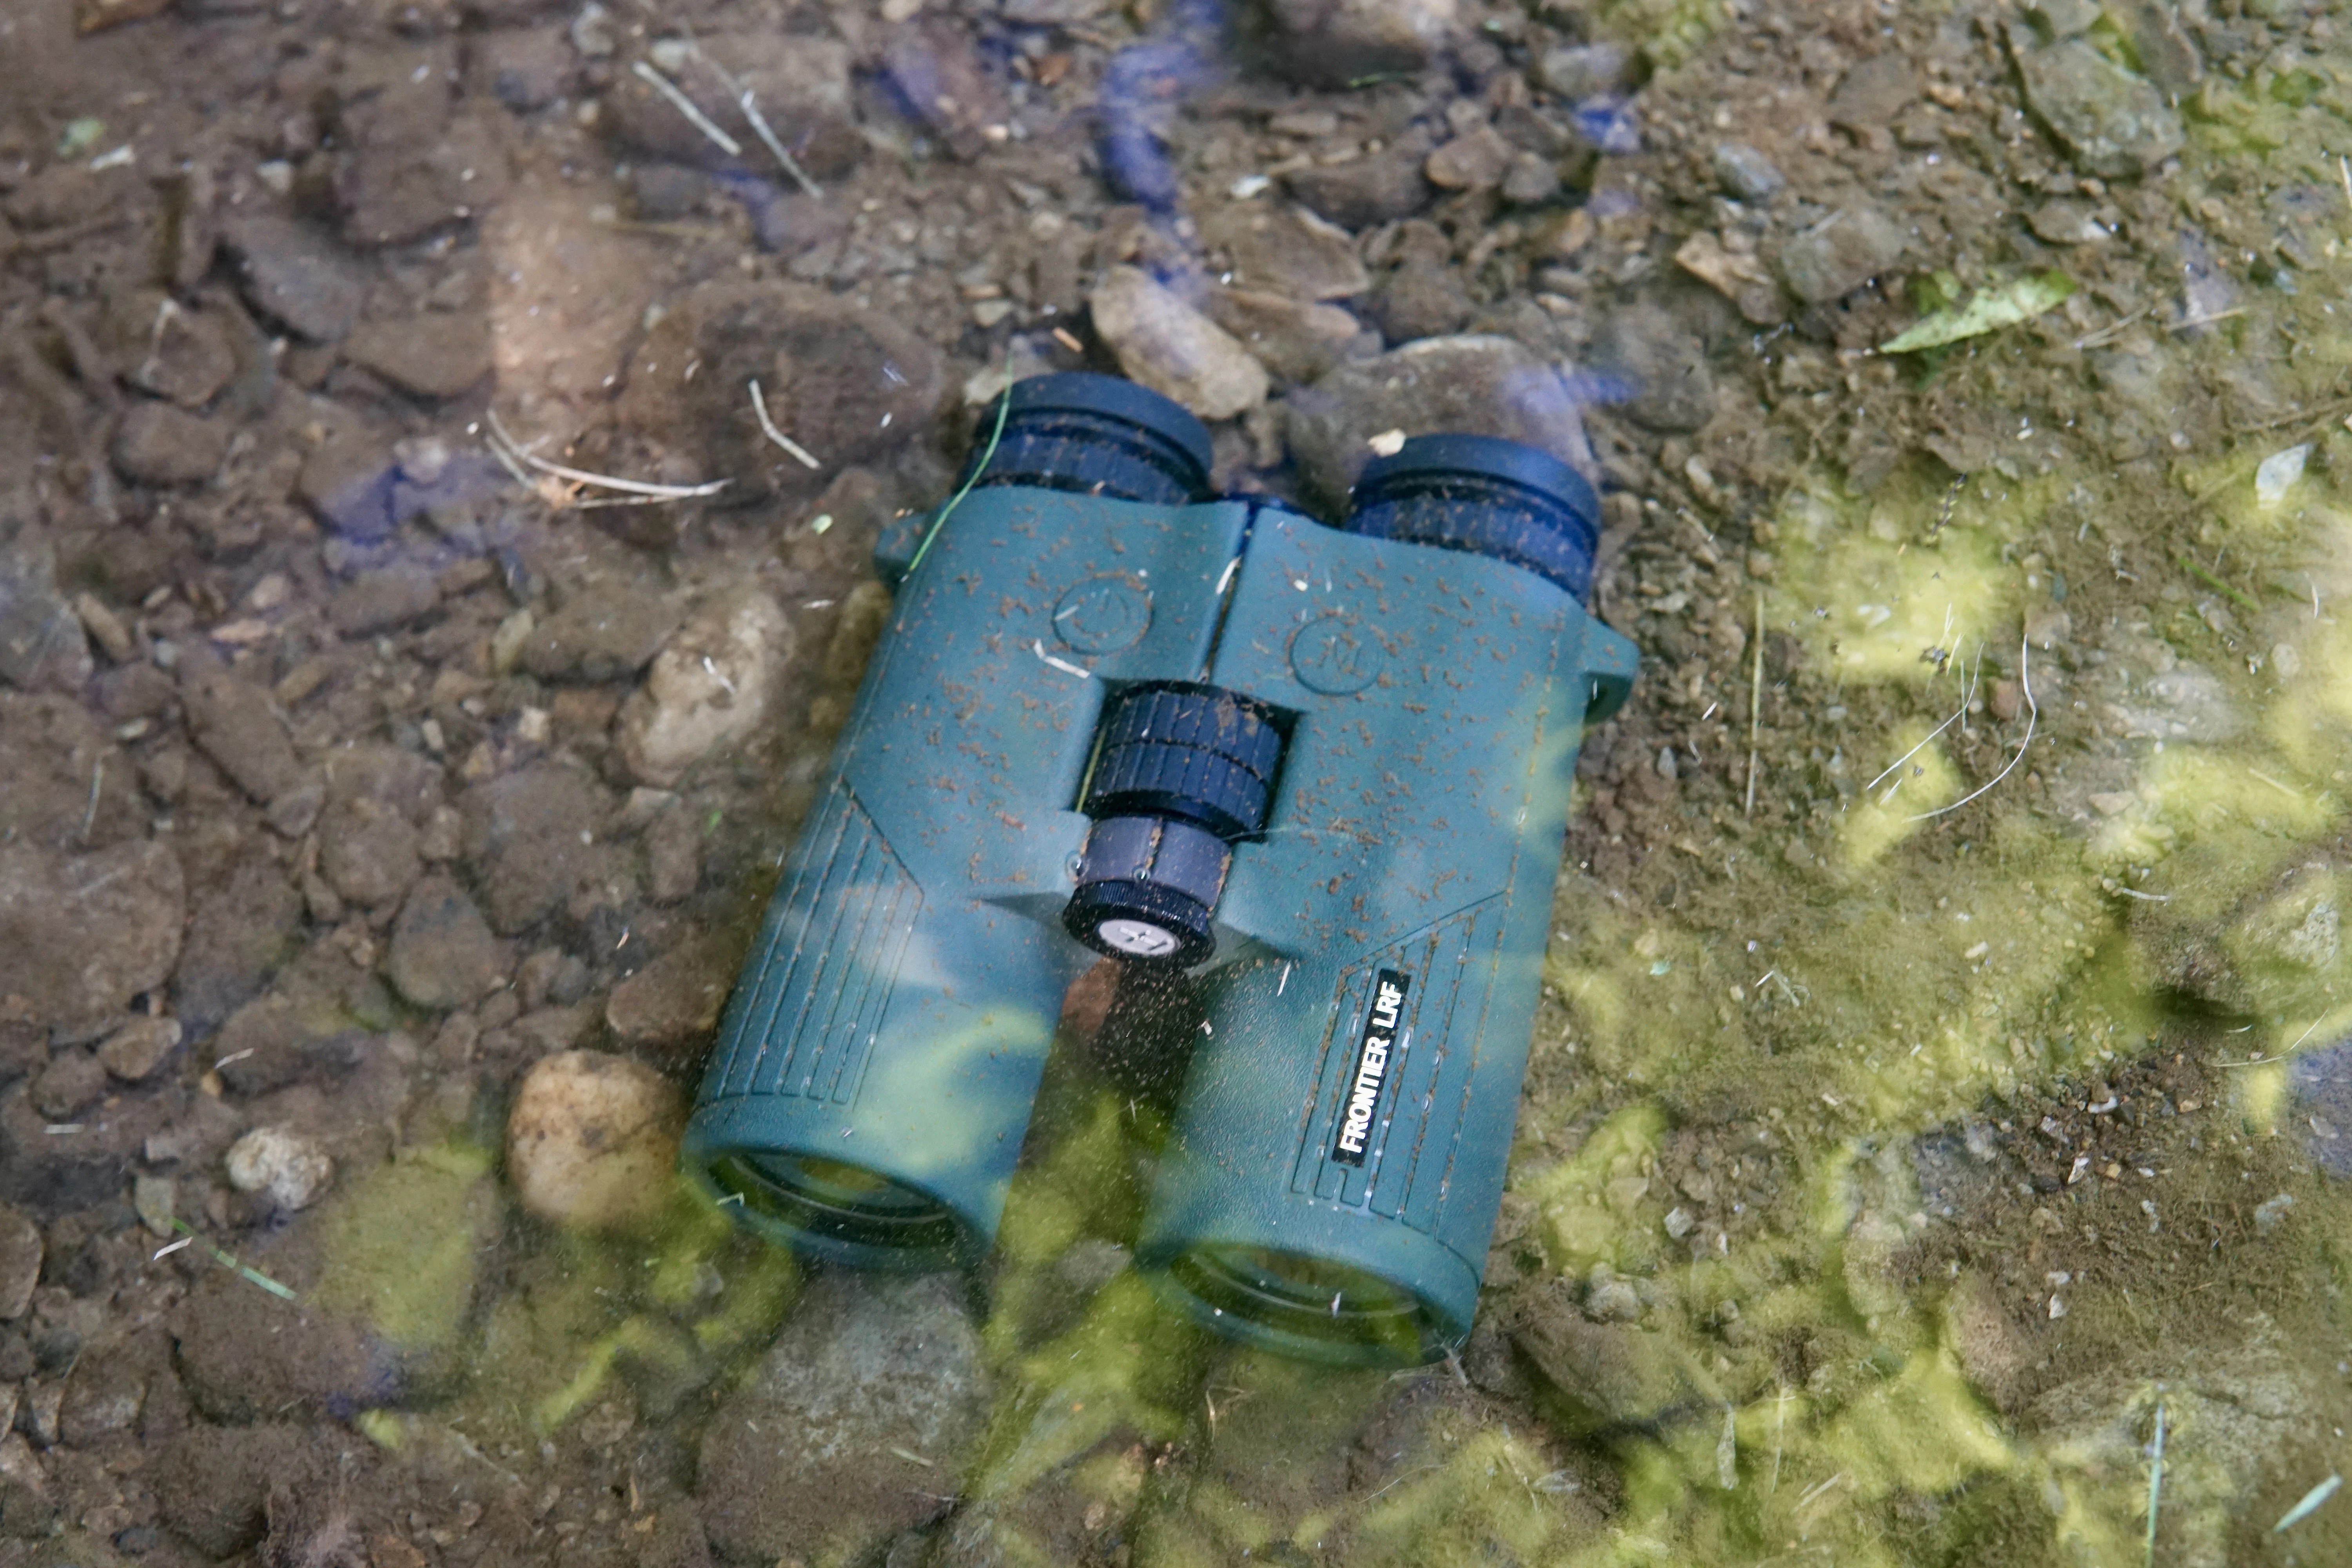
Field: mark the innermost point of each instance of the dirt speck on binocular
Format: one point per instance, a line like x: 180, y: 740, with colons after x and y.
x: 468, y: 472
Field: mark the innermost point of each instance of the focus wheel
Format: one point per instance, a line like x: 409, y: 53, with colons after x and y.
x: 1197, y: 754
x: 1205, y: 717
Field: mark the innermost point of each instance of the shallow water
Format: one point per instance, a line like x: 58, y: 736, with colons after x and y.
x: 1931, y: 1143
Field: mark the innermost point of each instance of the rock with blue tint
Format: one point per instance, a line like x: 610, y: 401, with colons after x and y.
x: 2323, y: 1086
x: 362, y: 488
x: 1136, y: 162
x: 1611, y: 124
x: 1142, y: 88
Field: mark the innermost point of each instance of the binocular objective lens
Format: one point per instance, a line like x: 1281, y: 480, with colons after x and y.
x: 1311, y: 1305
x: 847, y: 1204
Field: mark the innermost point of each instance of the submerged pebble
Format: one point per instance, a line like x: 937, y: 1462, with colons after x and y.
x: 592, y: 1141
x: 291, y: 1169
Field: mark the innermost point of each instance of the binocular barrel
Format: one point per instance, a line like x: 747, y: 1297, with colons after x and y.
x: 1331, y: 764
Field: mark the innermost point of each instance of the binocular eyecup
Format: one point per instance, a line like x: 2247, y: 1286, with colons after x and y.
x: 1092, y: 435
x: 1097, y: 434
x: 1488, y: 496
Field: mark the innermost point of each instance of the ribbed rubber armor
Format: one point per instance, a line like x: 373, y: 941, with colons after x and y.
x: 1488, y: 496
x: 1193, y: 753
x: 1095, y: 435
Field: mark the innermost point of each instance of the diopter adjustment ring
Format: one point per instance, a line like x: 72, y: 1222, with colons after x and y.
x: 1143, y: 922
x: 1195, y: 753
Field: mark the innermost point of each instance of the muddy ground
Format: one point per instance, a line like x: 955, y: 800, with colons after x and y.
x: 1930, y: 1151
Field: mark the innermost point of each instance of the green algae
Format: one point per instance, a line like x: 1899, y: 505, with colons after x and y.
x: 403, y: 1249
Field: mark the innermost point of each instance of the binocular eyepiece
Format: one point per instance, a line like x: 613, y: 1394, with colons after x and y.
x: 1324, y: 769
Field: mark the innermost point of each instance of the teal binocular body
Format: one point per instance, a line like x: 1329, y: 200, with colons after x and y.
x: 1324, y: 769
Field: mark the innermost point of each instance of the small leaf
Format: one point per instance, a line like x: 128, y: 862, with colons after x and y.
x: 1935, y: 292
x: 1991, y: 309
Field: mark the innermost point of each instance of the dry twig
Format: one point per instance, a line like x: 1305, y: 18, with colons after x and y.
x: 1755, y: 706
x: 686, y: 106
x: 510, y: 451
x: 768, y: 425
x: 750, y: 105
x: 2033, y: 717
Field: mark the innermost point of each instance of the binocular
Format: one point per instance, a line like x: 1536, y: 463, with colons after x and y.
x: 1325, y: 771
